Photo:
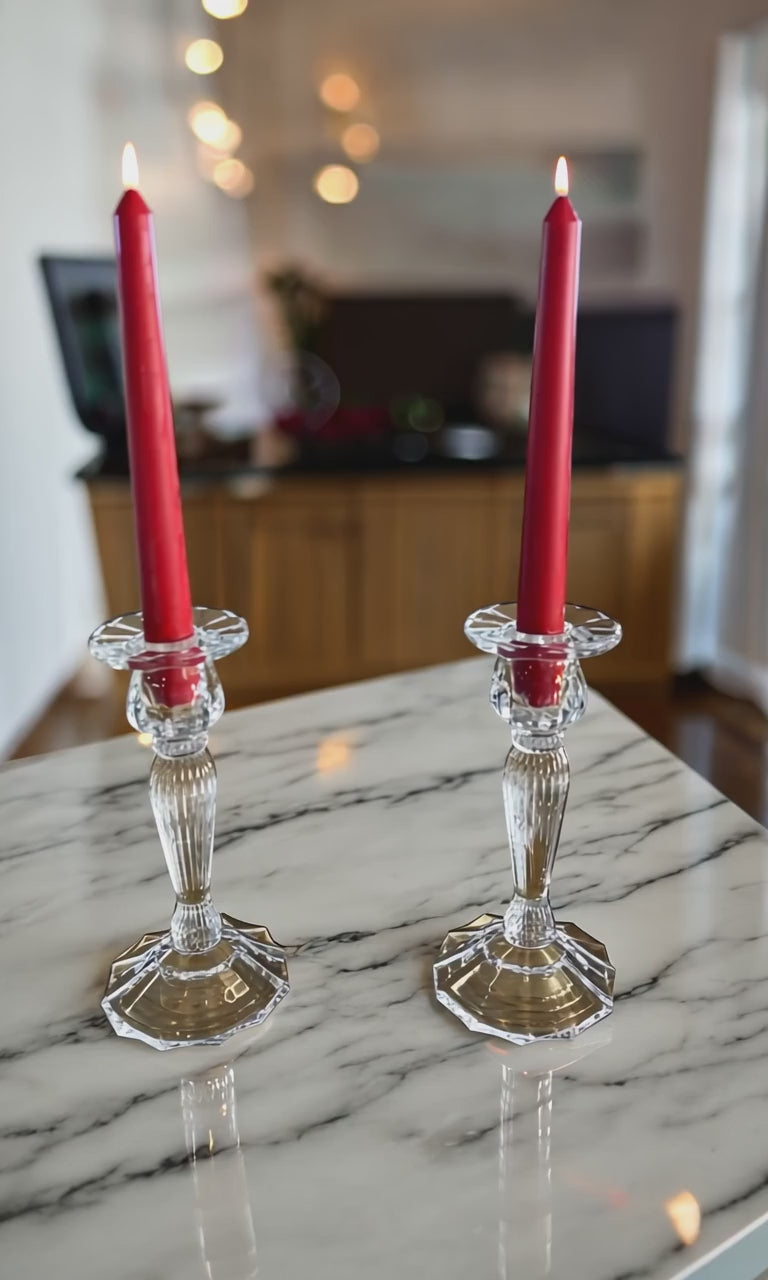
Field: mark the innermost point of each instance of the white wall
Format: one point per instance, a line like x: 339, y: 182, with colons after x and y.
x: 49, y: 592
x: 449, y: 83
x: 77, y: 79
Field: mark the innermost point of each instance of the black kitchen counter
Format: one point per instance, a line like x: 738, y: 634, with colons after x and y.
x: 445, y: 453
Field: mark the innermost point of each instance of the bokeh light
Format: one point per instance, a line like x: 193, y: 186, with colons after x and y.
x: 231, y: 137
x: 211, y: 126
x: 410, y: 448
x: 336, y: 184
x: 225, y: 8
x: 340, y: 92
x: 233, y: 177
x: 207, y: 159
x: 417, y: 413
x: 207, y: 121
x: 204, y: 57
x: 360, y: 141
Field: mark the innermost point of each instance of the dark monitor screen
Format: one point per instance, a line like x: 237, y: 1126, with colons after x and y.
x: 83, y: 297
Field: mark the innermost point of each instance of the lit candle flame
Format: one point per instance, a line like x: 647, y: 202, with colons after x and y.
x: 561, y: 177
x: 130, y: 166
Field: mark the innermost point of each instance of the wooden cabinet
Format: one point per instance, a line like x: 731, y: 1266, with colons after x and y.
x: 113, y: 524
x: 427, y: 555
x: 435, y: 550
x: 290, y: 566
x: 346, y: 577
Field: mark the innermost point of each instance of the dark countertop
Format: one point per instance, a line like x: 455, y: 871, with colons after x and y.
x: 454, y: 451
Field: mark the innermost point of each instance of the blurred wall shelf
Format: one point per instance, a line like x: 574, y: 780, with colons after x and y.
x: 346, y: 578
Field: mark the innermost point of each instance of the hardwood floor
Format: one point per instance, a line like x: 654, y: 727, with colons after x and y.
x: 71, y: 721
x: 722, y: 738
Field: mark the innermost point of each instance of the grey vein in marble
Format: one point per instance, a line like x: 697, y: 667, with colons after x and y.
x: 378, y: 1138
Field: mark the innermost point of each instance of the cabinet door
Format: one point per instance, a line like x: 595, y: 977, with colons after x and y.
x: 597, y: 551
x: 112, y: 512
x: 427, y: 549
x: 288, y: 563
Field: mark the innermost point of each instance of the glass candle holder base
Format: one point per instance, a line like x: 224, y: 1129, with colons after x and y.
x: 524, y: 976
x: 168, y: 998
x: 497, y: 987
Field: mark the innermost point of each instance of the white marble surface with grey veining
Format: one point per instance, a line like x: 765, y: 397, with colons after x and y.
x: 378, y: 1137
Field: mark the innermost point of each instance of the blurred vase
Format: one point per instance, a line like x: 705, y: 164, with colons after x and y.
x: 503, y: 390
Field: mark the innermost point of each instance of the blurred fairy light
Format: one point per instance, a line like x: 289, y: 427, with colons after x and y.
x: 233, y: 177
x: 207, y: 121
x: 217, y: 136
x: 360, y: 141
x: 227, y: 173
x: 336, y: 184
x: 225, y: 8
x: 339, y: 92
x: 207, y: 159
x: 230, y: 139
x: 204, y: 56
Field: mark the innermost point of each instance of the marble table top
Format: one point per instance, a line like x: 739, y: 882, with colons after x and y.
x: 363, y: 1132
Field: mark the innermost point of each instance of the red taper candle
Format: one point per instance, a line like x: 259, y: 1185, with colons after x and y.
x: 546, y: 510
x: 162, y: 555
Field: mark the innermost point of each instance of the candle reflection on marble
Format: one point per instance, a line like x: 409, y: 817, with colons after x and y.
x: 522, y: 1095
x: 684, y: 1212
x: 223, y: 1207
x: 526, y: 1204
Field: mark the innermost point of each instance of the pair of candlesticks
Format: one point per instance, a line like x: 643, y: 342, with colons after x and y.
x: 522, y: 976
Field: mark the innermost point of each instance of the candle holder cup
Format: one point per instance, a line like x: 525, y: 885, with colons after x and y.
x: 524, y: 976
x: 208, y: 975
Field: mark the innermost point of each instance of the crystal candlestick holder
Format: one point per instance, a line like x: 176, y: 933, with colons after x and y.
x: 208, y: 975
x: 524, y: 976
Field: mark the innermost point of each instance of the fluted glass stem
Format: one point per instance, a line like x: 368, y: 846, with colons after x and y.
x: 535, y: 786
x: 182, y: 790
